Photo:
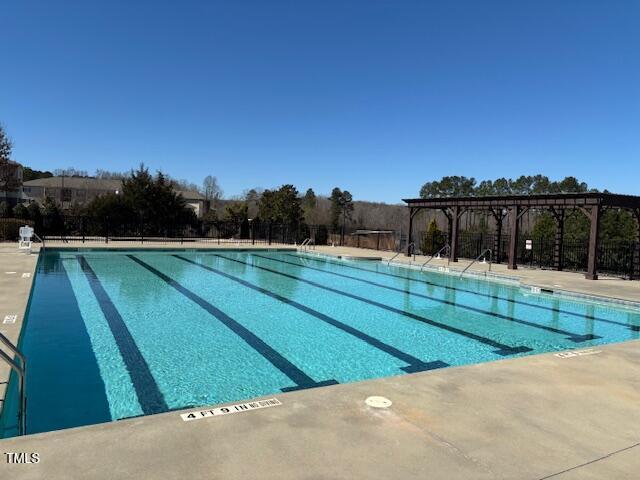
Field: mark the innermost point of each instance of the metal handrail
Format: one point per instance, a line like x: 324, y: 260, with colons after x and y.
x: 304, y: 242
x: 311, y: 241
x: 21, y: 371
x: 483, y: 254
x: 437, y: 254
x: 400, y: 252
x: 41, y: 240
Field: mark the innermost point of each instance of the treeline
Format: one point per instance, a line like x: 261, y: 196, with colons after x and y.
x: 616, y: 224
x: 144, y: 199
x: 460, y: 186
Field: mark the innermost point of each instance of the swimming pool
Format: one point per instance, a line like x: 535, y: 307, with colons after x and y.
x: 117, y: 334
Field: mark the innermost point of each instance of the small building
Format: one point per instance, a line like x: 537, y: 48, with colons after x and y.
x: 70, y: 191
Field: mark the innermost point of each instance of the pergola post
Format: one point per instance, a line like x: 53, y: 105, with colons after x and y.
x: 592, y: 260
x: 410, y: 233
x: 497, y: 238
x: 636, y: 251
x: 455, y: 221
x: 559, y: 239
x: 513, y: 238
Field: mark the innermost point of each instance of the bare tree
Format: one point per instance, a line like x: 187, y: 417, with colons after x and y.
x: 211, y: 189
x: 70, y: 172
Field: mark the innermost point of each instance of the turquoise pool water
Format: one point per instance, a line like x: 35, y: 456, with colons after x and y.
x: 111, y: 335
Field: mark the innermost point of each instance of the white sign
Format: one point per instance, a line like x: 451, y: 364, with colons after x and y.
x: 577, y: 353
x: 237, y: 408
x: 10, y: 318
x: 536, y: 290
x: 26, y: 275
x: 528, y: 245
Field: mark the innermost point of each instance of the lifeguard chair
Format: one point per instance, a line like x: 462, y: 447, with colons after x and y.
x: 26, y: 234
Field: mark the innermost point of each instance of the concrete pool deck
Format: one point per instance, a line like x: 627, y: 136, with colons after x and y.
x: 534, y: 417
x: 527, y: 418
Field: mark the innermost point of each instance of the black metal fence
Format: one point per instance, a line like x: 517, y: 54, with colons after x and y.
x: 614, y: 256
x: 10, y: 228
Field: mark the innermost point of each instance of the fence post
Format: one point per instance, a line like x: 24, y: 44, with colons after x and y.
x: 252, y: 233
x: 269, y: 233
x: 82, y: 226
x: 106, y: 236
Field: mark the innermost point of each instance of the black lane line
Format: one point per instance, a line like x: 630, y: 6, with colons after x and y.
x: 414, y: 363
x: 149, y: 395
x: 502, y: 348
x: 297, y: 376
x: 574, y: 337
x: 635, y: 328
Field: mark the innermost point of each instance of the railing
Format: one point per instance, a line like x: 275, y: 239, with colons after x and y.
x: 483, y: 254
x: 41, y: 240
x: 304, y: 243
x: 409, y: 249
x: 21, y: 371
x: 437, y: 255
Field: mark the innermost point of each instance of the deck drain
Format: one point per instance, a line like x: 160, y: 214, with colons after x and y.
x: 378, y: 402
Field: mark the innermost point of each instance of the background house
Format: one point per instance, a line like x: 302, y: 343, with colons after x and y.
x: 68, y: 191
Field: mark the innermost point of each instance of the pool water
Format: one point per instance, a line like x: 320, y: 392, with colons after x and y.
x: 118, y: 334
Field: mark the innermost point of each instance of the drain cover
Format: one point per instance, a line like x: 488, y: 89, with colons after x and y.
x: 378, y: 402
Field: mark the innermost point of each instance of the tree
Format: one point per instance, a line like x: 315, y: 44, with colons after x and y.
x: 236, y: 212
x: 341, y: 206
x: 52, y: 216
x: 5, y: 210
x: 5, y: 146
x: 21, y: 212
x: 545, y: 226
x: 288, y: 205
x: 109, y: 175
x: 144, y: 200
x: 281, y: 206
x: 454, y: 186
x: 309, y: 205
x: 336, y: 195
x: 70, y: 172
x: 35, y: 213
x: 267, y: 206
x: 31, y: 174
x: 211, y: 189
x: 111, y: 206
x: 616, y: 224
x: 431, y: 239
x: 9, y: 180
x: 309, y: 201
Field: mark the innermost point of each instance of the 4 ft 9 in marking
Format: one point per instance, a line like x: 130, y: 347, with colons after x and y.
x: 237, y: 408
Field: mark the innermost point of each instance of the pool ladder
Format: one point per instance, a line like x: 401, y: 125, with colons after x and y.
x: 483, y: 255
x: 21, y: 371
x: 305, y: 245
x: 411, y: 249
x: 446, y: 248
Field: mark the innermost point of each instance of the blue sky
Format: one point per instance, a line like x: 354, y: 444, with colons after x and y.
x: 376, y: 97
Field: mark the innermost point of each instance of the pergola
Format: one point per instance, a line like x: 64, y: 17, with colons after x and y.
x: 515, y: 206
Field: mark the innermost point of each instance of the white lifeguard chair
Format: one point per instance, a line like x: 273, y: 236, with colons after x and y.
x: 26, y: 234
